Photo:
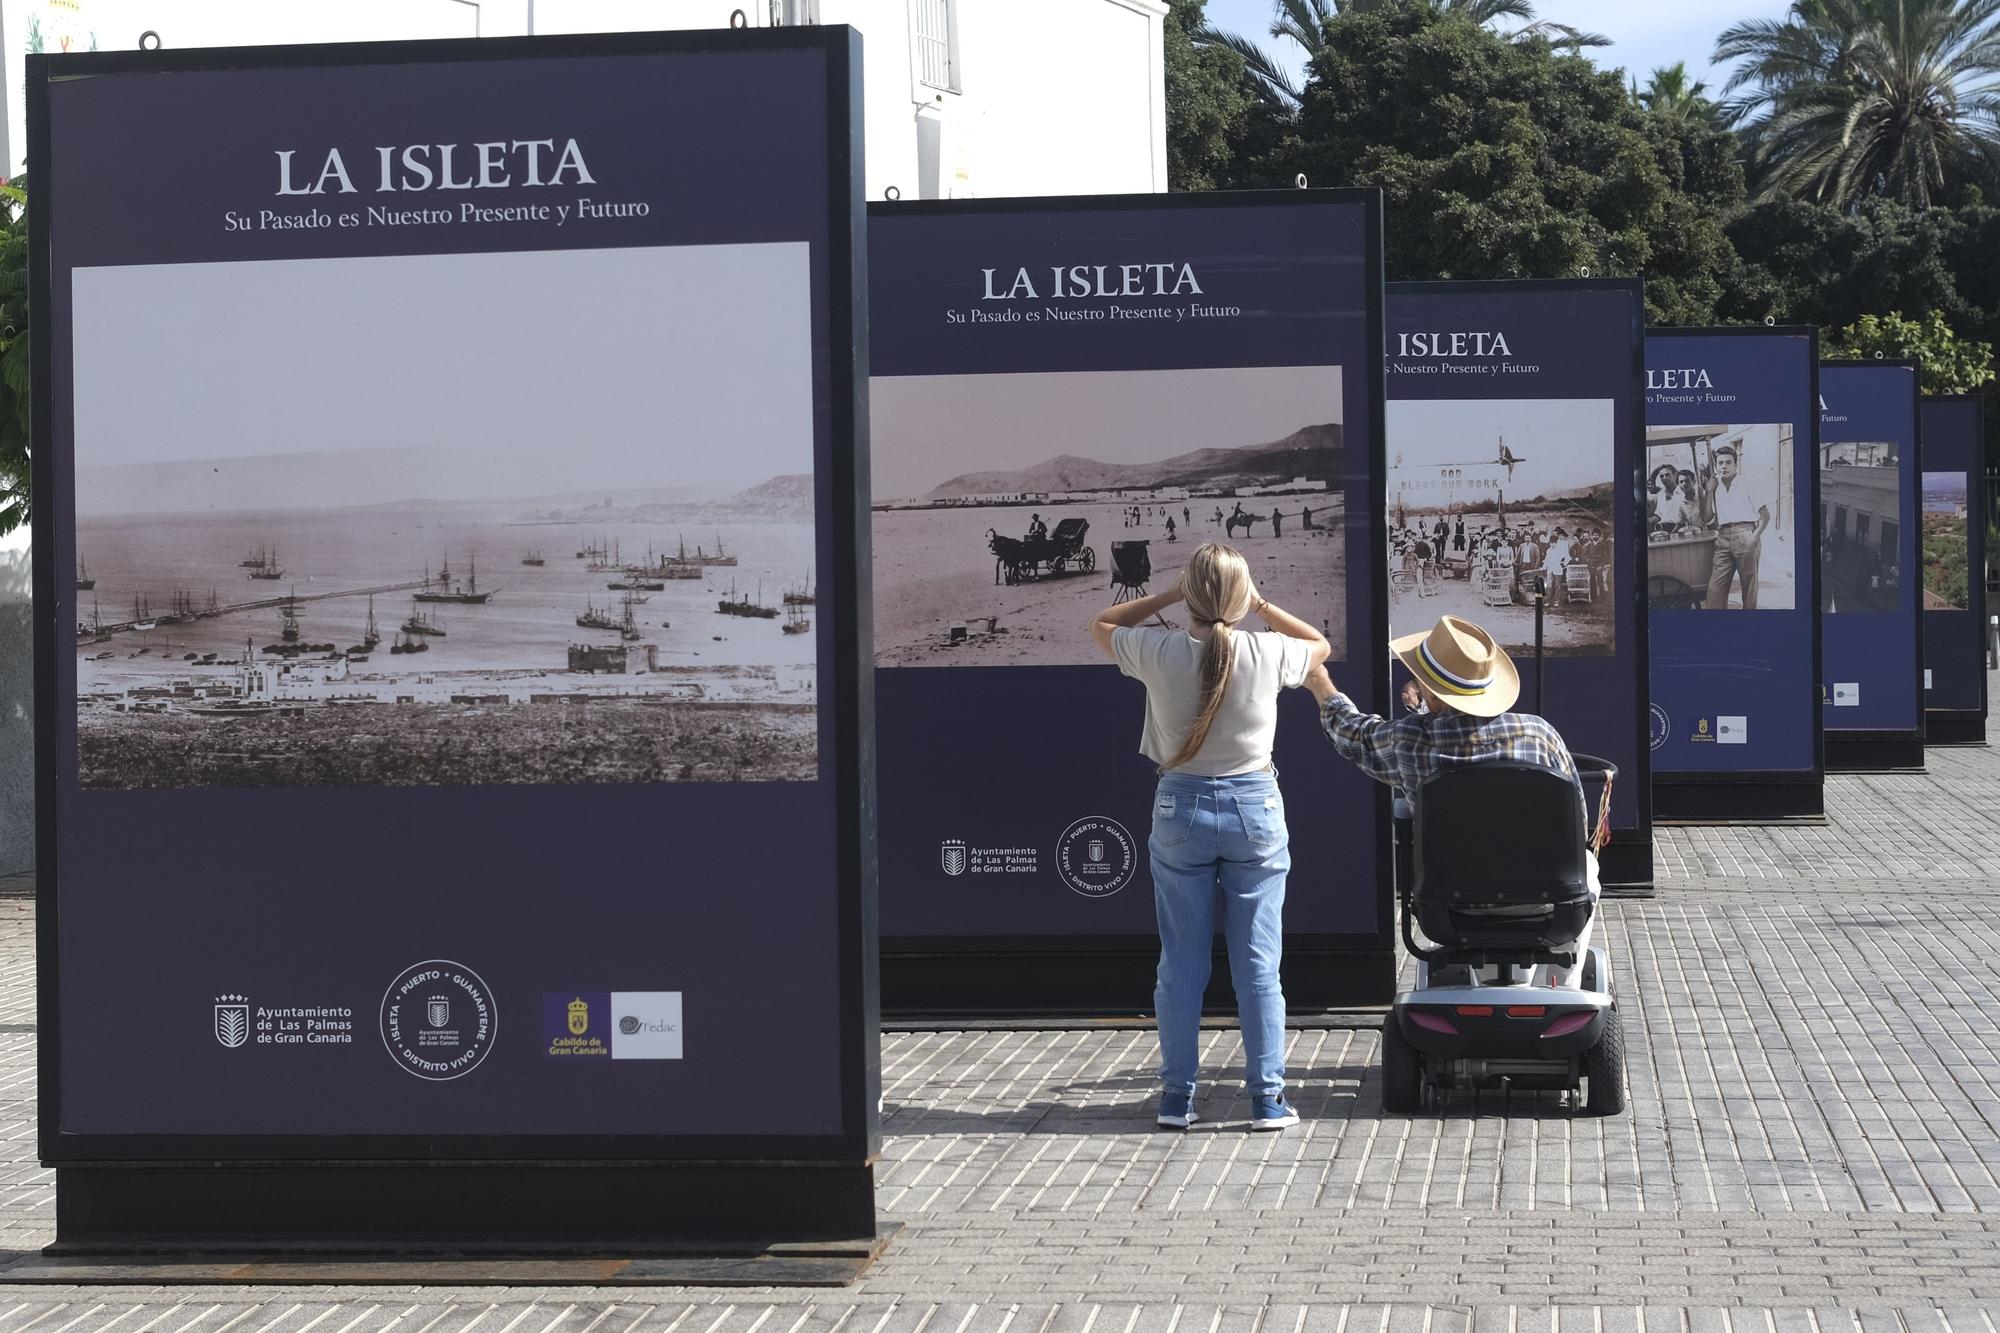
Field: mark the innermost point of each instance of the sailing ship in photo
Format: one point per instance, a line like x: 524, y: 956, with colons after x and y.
x: 352, y: 631
x: 1008, y: 507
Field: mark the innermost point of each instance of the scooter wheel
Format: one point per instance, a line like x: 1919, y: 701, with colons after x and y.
x: 1402, y: 1071
x: 1604, y: 1070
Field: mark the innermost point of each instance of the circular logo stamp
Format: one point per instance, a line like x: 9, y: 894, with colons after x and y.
x: 1660, y: 724
x: 1096, y: 856
x: 628, y: 1025
x: 438, y: 1019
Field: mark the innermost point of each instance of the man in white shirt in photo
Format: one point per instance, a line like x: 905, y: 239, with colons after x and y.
x: 1741, y: 515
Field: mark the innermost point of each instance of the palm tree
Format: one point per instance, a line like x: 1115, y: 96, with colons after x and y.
x: 1670, y: 93
x: 1305, y: 24
x: 1849, y: 98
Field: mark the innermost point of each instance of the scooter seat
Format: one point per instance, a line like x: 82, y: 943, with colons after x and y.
x: 1500, y: 859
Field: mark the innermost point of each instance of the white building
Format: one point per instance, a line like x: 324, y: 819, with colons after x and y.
x: 962, y: 98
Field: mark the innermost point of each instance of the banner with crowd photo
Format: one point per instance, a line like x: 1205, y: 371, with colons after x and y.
x: 1870, y: 487
x: 1513, y: 447
x: 1954, y: 556
x: 1732, y: 580
x: 1067, y: 398
x: 423, y: 709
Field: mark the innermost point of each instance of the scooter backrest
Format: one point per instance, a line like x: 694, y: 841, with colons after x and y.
x: 1499, y: 834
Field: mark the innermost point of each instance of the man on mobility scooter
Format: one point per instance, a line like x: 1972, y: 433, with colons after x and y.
x: 1504, y: 884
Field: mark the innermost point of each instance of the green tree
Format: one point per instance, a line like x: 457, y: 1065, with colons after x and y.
x: 1670, y: 93
x: 1844, y: 99
x: 1951, y: 364
x: 16, y: 374
x: 1207, y: 100
x: 1502, y: 158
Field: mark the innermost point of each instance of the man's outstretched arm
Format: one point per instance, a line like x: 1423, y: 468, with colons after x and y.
x: 1361, y: 738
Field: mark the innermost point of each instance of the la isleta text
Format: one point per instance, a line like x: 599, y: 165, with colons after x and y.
x: 444, y: 166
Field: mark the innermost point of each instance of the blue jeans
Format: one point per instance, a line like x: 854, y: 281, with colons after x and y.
x: 1220, y: 839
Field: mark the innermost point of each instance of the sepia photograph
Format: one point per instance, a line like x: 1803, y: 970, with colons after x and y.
x: 1719, y: 506
x: 1489, y: 498
x: 371, y: 522
x: 1947, y: 542
x: 1860, y: 519
x: 1009, y: 507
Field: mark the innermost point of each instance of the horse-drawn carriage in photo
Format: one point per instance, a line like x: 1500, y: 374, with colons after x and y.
x: 1022, y: 560
x: 1677, y: 569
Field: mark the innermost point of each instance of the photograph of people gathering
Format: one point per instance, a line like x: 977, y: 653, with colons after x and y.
x: 1719, y: 506
x: 1491, y: 501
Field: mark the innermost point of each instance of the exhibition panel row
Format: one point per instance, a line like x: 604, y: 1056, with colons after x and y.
x: 510, y: 543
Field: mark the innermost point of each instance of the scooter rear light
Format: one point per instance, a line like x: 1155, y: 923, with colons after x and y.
x: 1526, y: 1010
x: 1434, y: 1022
x: 1476, y: 1010
x: 1569, y: 1023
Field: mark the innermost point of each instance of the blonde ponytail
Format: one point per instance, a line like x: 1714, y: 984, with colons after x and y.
x: 1217, y: 585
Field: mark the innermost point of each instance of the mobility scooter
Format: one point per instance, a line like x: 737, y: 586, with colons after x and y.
x: 1493, y: 869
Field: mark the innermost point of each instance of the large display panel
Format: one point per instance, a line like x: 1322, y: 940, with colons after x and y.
x: 1954, y: 556
x: 1870, y: 480
x: 455, y: 669
x: 1068, y: 397
x: 1732, y: 577
x: 1515, y: 427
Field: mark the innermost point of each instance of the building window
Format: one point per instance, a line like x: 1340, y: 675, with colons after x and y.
x: 1889, y: 534
x: 937, y: 44
x: 1861, y: 528
x: 1840, y: 522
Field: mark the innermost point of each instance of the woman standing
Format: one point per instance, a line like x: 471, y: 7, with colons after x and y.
x: 1218, y: 818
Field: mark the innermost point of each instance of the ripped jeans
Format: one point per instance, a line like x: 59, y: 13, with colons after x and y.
x: 1220, y: 841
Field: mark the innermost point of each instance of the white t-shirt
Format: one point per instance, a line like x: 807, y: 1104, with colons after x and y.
x: 1168, y: 663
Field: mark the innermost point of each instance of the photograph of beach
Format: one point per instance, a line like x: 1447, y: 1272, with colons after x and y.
x: 1487, y: 496
x: 372, y: 522
x: 1009, y: 507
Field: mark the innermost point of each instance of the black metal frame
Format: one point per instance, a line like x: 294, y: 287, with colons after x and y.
x: 1883, y: 749
x: 1627, y: 860
x: 1966, y: 726
x: 1739, y: 797
x: 109, y: 1185
x: 1113, y: 974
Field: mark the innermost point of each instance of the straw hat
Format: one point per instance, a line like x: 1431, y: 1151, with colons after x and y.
x: 1460, y: 664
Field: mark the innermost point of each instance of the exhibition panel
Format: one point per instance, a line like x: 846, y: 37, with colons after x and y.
x: 1954, y: 556
x: 1068, y: 397
x: 1732, y: 504
x: 1871, y: 628
x: 1515, y: 442
x: 425, y: 720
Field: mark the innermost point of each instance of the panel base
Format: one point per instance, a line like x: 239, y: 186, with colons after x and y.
x: 1739, y: 801
x: 399, y: 1211
x: 1626, y: 868
x: 1865, y: 752
x: 1954, y: 728
x: 1108, y: 985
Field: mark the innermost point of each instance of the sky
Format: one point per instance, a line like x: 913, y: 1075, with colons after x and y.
x: 927, y: 429
x: 1646, y: 34
x: 461, y: 376
x: 1561, y: 443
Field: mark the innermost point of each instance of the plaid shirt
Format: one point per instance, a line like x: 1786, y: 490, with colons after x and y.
x: 1407, y: 752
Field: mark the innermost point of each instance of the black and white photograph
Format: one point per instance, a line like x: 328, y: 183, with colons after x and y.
x: 1009, y: 507
x: 1860, y: 488
x: 1719, y: 505
x: 1488, y: 497
x: 535, y: 517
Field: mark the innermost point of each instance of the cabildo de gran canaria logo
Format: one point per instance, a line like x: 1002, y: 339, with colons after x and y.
x: 579, y: 1016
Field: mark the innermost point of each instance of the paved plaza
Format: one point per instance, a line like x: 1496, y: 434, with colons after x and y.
x: 1813, y: 1144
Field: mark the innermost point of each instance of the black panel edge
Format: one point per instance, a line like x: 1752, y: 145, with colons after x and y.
x: 1955, y: 727
x: 1874, y: 752
x: 1742, y: 798
x: 1957, y: 722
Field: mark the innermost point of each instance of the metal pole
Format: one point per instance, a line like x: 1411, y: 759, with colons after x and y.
x: 1541, y: 595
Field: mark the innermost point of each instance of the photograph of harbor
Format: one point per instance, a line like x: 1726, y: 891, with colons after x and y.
x: 1719, y: 505
x: 387, y: 548
x: 1009, y: 507
x: 1488, y: 497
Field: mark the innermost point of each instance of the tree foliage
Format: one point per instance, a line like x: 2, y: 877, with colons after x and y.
x: 1950, y: 364
x: 1207, y: 96
x: 1847, y: 99
x: 15, y: 368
